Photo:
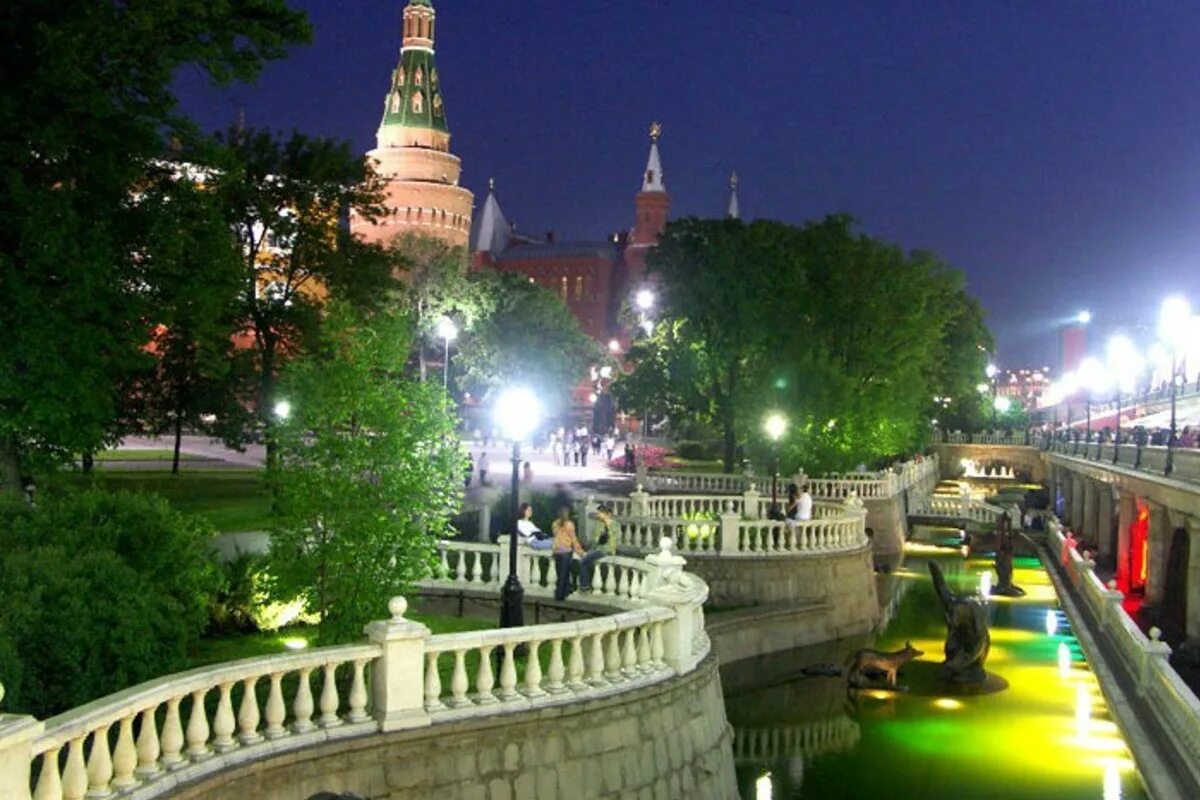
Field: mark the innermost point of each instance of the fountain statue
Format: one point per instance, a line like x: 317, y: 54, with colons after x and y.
x: 1004, y: 559
x: 967, y: 639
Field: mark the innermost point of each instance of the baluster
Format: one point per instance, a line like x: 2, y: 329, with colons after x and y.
x: 575, y: 665
x: 357, y: 700
x: 433, y: 683
x: 460, y: 566
x: 484, y: 679
x: 329, y: 699
x: 223, y: 723
x: 629, y: 654
x: 49, y: 783
x: 533, y: 672
x: 197, y: 728
x: 612, y: 661
x: 148, y: 747
x: 604, y: 571
x: 124, y: 759
x: 75, y: 774
x: 595, y: 661
x: 248, y: 716
x: 458, y: 681
x: 476, y: 568
x: 656, y: 646
x: 99, y: 764
x: 644, y: 654
x: 276, y: 711
x: 302, y: 705
x: 636, y: 588
x: 172, y: 735
x: 623, y: 582
x: 556, y: 672
x: 444, y: 565
x: 527, y: 567
x: 508, y: 673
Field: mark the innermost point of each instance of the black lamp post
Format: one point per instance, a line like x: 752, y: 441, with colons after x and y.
x: 775, y: 425
x: 1170, y: 466
x: 516, y: 411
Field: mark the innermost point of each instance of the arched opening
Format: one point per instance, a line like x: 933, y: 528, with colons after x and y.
x: 1173, y: 613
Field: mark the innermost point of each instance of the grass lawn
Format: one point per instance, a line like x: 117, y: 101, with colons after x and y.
x: 217, y: 650
x: 231, y: 499
x: 146, y: 455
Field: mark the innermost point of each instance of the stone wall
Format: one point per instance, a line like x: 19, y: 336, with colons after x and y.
x: 888, y: 521
x: 821, y: 597
x: 1020, y: 458
x: 665, y: 741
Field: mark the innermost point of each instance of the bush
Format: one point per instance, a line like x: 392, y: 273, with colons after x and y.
x: 98, y: 591
x: 696, y: 451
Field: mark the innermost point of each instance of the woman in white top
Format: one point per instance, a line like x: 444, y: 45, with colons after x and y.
x: 532, y: 535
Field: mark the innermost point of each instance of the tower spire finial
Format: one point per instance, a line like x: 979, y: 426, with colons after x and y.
x: 491, y: 184
x: 652, y: 180
x: 733, y: 211
x: 655, y: 131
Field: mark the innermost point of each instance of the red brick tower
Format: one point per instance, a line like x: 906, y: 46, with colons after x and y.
x: 652, y: 205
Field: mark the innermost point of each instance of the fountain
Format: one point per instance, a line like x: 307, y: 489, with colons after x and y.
x: 967, y: 639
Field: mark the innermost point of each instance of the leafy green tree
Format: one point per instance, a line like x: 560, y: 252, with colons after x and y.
x: 99, y: 591
x: 530, y: 337
x: 285, y: 200
x: 86, y: 103
x: 368, y: 473
x: 436, y: 284
x: 850, y: 337
x: 197, y: 377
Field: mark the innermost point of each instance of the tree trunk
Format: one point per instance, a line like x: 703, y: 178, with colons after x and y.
x: 10, y: 468
x: 88, y: 459
x: 178, y: 441
x: 730, y: 443
x: 266, y: 399
x: 424, y: 365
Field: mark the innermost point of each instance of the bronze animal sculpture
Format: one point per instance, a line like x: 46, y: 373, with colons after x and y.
x: 889, y: 663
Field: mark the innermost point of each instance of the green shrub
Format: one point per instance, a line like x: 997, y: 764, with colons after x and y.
x: 98, y: 591
x: 696, y: 451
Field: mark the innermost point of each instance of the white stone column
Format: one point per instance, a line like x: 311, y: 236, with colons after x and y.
x: 730, y: 532
x: 398, y: 677
x: 17, y: 733
x: 638, y: 502
x: 669, y: 586
x: 1088, y: 528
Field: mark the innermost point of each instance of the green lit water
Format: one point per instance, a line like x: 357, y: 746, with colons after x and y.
x: 1046, y: 735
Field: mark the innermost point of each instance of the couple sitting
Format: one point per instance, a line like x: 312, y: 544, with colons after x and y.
x: 564, y: 544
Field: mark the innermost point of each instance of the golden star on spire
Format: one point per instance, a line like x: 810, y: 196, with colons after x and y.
x: 655, y: 131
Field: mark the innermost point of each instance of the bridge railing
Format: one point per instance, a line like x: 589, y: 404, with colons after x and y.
x: 1146, y: 659
x: 1015, y: 438
x: 1144, y: 458
x: 146, y: 740
x: 835, y: 486
x: 956, y: 508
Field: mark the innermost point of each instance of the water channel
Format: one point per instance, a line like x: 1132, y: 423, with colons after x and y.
x: 1047, y: 734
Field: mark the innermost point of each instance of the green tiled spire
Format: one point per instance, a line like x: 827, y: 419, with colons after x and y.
x: 415, y: 97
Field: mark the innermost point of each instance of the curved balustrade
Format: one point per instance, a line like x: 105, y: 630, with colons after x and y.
x: 956, y: 508
x: 149, y: 738
x: 804, y: 739
x: 835, y: 486
x: 1012, y: 438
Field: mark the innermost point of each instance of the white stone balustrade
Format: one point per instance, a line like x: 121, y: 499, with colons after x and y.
x: 1145, y: 658
x: 147, y: 739
x: 837, y: 486
x: 956, y: 508
x: 1014, y: 438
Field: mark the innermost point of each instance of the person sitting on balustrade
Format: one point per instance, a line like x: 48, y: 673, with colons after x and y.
x: 530, y: 533
x: 605, y: 544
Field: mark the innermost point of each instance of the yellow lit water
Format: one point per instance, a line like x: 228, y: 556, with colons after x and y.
x: 1047, y: 735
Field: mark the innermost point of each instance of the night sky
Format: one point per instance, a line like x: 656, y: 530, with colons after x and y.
x: 1049, y: 150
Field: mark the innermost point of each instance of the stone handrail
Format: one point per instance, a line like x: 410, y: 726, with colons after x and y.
x: 145, y: 741
x: 1144, y: 458
x: 1014, y: 438
x: 957, y: 508
x: 1144, y: 658
x: 835, y: 486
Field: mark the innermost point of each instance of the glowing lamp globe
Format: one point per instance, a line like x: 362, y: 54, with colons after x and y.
x: 517, y: 412
x: 1173, y: 319
x: 644, y: 299
x: 991, y: 370
x: 446, y: 329
x: 775, y: 426
x: 1083, y: 317
x: 283, y: 409
x: 1003, y: 404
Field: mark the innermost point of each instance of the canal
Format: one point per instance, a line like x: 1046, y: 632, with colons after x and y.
x: 1045, y: 734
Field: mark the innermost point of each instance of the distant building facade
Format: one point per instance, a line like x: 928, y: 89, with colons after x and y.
x: 1027, y: 386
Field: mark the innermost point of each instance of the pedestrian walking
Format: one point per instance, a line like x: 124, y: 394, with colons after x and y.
x: 556, y: 447
x: 527, y: 474
x: 577, y: 449
x: 483, y: 468
x: 610, y: 444
x: 630, y: 458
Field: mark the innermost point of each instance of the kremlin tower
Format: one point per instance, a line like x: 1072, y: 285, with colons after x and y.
x: 422, y: 193
x: 651, y: 206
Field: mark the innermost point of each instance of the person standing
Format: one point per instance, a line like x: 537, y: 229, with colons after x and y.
x: 576, y: 449
x: 804, y: 506
x: 610, y: 444
x: 566, y: 545
x: 556, y: 447
x: 629, y: 458
x: 527, y: 474
x: 483, y: 467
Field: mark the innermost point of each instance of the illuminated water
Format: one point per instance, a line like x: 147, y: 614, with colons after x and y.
x: 1047, y: 735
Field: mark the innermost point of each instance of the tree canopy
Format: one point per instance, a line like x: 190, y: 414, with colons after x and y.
x: 851, y: 338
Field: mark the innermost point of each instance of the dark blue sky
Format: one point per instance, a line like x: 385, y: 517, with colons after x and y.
x: 1049, y: 150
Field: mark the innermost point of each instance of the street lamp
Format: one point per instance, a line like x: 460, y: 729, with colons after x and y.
x: 449, y: 332
x: 282, y: 409
x: 1094, y: 378
x: 991, y: 371
x: 644, y: 299
x: 1174, y: 320
x: 517, y: 411
x: 775, y: 425
x: 1083, y: 317
x: 1124, y: 364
